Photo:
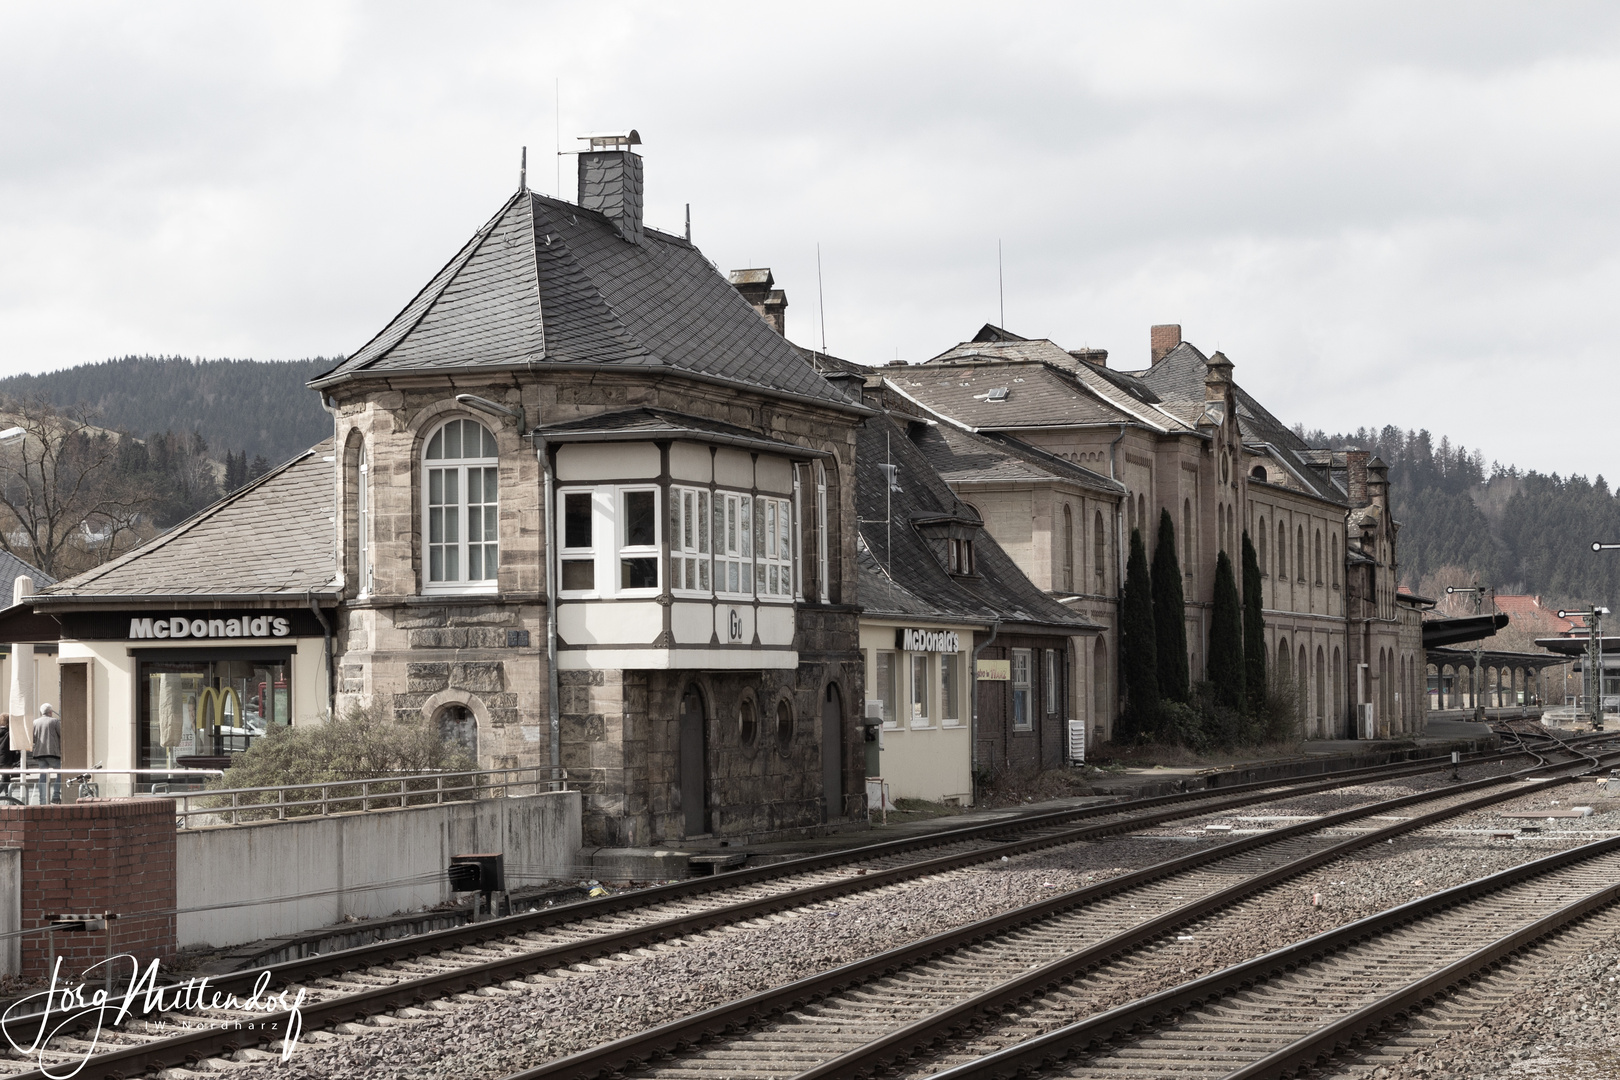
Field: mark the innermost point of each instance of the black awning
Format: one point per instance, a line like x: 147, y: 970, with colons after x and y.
x: 21, y: 622
x: 1452, y: 631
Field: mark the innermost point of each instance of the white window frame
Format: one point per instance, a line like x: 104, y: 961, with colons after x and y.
x: 1021, y: 662
x: 1049, y: 692
x: 733, y: 539
x: 821, y: 533
x: 950, y: 689
x: 798, y: 535
x: 624, y: 550
x: 773, y: 541
x: 689, y: 520
x: 920, y: 714
x: 891, y: 702
x: 460, y: 467
x: 601, y: 517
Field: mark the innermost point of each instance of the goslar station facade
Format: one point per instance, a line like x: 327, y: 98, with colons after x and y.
x: 573, y: 384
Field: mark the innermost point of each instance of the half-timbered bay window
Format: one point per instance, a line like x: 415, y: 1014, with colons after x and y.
x: 638, y: 541
x: 610, y: 544
x: 461, y: 507
x: 689, y: 565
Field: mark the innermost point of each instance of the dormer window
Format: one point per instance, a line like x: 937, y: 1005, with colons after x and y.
x: 959, y: 556
x: 461, y: 509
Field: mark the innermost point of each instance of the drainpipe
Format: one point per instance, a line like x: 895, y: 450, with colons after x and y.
x: 554, y: 706
x: 337, y: 493
x: 973, y: 725
x: 331, y: 672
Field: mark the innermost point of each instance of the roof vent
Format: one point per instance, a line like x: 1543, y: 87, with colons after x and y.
x: 998, y: 393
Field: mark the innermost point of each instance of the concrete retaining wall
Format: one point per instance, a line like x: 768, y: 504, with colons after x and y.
x: 246, y: 882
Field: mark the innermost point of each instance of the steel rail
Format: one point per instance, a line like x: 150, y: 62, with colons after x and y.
x: 203, y: 1043
x: 621, y: 1053
x: 1044, y: 1050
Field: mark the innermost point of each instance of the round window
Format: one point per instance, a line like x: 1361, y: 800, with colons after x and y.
x: 747, y: 722
x: 784, y: 726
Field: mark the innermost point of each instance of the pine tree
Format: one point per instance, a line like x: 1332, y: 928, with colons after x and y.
x: 1254, y: 630
x: 260, y: 466
x: 1226, y: 639
x: 1169, y: 614
x: 236, y: 468
x: 1138, y: 646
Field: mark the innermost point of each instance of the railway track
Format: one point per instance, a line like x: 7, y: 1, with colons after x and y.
x: 865, y: 1017
x: 365, y: 982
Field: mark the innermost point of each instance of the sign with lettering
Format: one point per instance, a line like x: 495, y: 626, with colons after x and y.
x: 942, y: 641
x: 994, y: 670
x: 179, y: 626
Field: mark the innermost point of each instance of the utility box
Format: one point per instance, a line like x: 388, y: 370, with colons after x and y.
x: 1367, y: 730
x: 478, y: 873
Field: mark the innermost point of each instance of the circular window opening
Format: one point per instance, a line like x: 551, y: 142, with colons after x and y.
x: 747, y: 722
x: 458, y: 730
x: 784, y: 727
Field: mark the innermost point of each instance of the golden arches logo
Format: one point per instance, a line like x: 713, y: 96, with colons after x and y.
x: 218, y: 701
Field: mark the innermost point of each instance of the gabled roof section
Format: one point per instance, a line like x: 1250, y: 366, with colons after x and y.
x: 967, y: 457
x: 275, y: 536
x: 547, y: 282
x: 1039, y: 394
x: 907, y: 577
x: 12, y: 568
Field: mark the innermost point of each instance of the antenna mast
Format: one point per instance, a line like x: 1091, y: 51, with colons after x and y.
x: 1001, y: 288
x: 821, y: 300
x: 523, y: 170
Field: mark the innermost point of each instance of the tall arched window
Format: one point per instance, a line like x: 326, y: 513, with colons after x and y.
x: 1265, y: 568
x: 1338, y: 686
x: 1333, y: 558
x: 460, y: 507
x: 1068, y: 548
x: 1099, y: 681
x: 1220, y: 525
x: 1187, y: 550
x: 1299, y: 552
x: 1319, y: 556
x: 1282, y: 552
x: 362, y: 505
x: 1099, y: 553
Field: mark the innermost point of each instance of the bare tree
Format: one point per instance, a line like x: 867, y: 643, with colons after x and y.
x: 64, y: 507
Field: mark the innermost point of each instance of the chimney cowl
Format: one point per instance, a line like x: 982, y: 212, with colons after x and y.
x: 1162, y: 339
x: 610, y: 181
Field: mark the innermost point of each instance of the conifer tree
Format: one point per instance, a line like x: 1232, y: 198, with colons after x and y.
x: 1138, y: 646
x: 1254, y: 630
x: 1226, y: 638
x: 1169, y: 614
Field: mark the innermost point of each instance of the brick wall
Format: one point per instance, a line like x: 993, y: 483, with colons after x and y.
x: 100, y: 855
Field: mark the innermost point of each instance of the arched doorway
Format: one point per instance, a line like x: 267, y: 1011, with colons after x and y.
x: 458, y: 730
x: 832, y: 747
x: 694, y: 735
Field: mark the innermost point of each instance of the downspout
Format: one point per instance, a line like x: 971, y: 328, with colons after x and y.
x: 554, y: 707
x: 331, y: 672
x: 973, y: 725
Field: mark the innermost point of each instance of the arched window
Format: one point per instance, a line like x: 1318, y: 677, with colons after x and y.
x: 1303, y: 671
x: 821, y: 533
x: 1261, y: 532
x: 1282, y: 552
x: 1333, y: 558
x: 1141, y: 515
x: 458, y: 729
x: 1099, y: 552
x: 1068, y: 548
x: 1258, y: 472
x: 1130, y: 513
x: 1319, y: 556
x: 362, y: 506
x: 1220, y: 525
x: 1187, y: 551
x: 1299, y: 552
x: 1321, y: 687
x: 460, y: 507
x: 1338, y: 687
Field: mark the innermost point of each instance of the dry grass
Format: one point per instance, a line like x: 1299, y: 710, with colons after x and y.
x: 1110, y: 756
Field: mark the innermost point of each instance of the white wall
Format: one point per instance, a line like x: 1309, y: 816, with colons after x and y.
x: 231, y: 879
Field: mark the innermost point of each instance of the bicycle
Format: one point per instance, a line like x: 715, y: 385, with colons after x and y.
x: 88, y: 788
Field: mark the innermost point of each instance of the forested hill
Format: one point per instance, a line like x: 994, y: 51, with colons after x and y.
x: 257, y: 407
x: 1521, y: 532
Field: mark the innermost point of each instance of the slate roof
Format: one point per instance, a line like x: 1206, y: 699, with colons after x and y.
x: 1038, y: 395
x: 275, y: 536
x: 641, y: 424
x: 12, y: 568
x: 546, y: 282
x: 963, y: 457
x: 909, y: 579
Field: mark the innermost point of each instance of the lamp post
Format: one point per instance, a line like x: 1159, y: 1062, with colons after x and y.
x: 1479, y: 592
x: 1594, y: 660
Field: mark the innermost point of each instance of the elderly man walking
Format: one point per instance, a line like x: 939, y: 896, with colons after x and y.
x: 48, y: 752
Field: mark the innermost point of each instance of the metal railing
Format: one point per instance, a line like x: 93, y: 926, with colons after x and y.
x: 237, y: 806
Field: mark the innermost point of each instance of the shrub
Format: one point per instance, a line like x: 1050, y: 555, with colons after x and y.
x: 1278, y: 719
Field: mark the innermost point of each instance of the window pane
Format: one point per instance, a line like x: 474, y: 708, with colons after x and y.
x: 452, y: 562
x: 492, y: 559
x: 771, y: 581
x: 770, y: 527
x: 703, y: 522
x: 885, y: 684
x: 436, y: 525
x: 731, y: 526
x: 491, y: 487
x: 436, y: 564
x: 491, y: 524
x: 436, y: 445
x: 747, y: 577
x: 452, y: 439
x: 919, y: 687
x: 489, y: 443
x: 579, y: 574
x: 452, y: 517
x: 703, y: 574
x: 950, y: 667
x: 577, y: 519
x: 731, y: 577
x: 640, y: 527
x: 435, y: 487
x: 475, y: 562
x: 784, y: 548
x: 638, y: 573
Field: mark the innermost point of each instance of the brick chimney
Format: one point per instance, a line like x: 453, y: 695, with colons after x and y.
x: 1098, y: 357
x: 1378, y: 483
x: 1355, y: 469
x: 756, y: 287
x: 610, y: 181
x: 1163, y: 338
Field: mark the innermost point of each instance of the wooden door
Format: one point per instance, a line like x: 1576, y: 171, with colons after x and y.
x: 75, y: 716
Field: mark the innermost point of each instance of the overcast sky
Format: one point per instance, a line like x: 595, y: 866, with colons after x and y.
x: 1382, y: 213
